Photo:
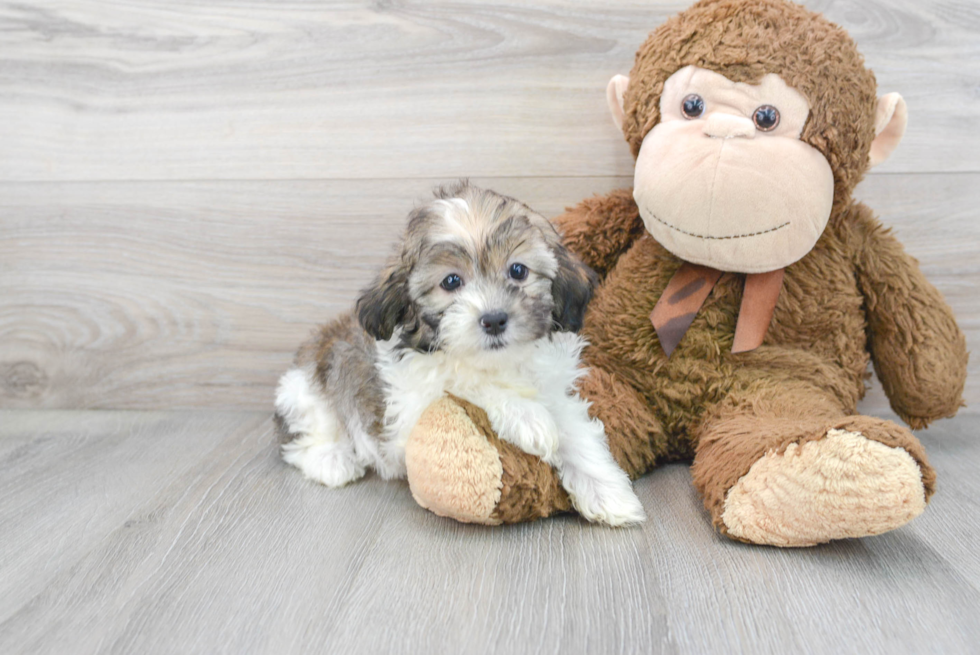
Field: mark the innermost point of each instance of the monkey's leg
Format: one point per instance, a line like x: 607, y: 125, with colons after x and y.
x: 457, y: 467
x: 780, y: 463
x: 636, y: 439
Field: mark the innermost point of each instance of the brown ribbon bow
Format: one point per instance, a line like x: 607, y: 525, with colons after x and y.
x: 689, y: 288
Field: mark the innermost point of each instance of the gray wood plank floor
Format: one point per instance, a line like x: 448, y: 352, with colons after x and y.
x: 169, y: 532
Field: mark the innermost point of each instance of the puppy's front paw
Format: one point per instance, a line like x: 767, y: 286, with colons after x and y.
x: 531, y: 428
x: 610, y: 501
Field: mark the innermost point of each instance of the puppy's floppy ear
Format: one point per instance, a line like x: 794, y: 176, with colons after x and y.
x: 384, y: 305
x: 571, y: 290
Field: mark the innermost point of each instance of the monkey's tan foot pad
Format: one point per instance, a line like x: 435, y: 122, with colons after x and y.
x: 841, y: 486
x: 458, y: 468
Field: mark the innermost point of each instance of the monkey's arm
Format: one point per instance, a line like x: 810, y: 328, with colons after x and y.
x: 601, y: 228
x: 919, y: 352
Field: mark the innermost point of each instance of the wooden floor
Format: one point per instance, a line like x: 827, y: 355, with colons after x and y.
x: 182, y: 532
x: 186, y: 188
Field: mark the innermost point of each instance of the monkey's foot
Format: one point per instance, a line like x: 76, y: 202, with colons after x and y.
x: 844, y: 485
x: 458, y: 468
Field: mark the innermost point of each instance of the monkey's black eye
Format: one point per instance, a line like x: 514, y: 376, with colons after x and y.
x: 766, y: 118
x: 518, y: 271
x: 451, y: 282
x: 692, y: 106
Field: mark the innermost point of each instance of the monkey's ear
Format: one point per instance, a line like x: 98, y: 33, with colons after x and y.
x: 381, y: 307
x: 571, y: 290
x: 614, y: 98
x: 891, y: 118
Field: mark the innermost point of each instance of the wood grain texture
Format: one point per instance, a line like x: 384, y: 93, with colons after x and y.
x: 70, y: 478
x: 262, y: 89
x: 169, y: 295
x: 230, y: 551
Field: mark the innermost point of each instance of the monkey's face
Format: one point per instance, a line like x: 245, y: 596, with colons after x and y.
x: 724, y: 180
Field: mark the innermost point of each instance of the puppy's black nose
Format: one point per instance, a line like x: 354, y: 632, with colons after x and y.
x: 494, y: 322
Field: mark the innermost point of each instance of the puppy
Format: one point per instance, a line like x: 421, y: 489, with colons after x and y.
x: 481, y: 301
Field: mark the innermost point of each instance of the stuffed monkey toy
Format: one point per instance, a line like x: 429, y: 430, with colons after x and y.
x: 743, y: 292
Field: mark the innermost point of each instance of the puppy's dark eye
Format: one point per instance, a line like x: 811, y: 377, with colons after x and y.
x: 451, y: 282
x: 692, y: 106
x: 766, y: 118
x: 518, y: 271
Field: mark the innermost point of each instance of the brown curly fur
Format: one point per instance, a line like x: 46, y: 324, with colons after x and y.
x: 856, y: 297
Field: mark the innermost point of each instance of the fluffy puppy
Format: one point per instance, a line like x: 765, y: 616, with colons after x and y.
x: 481, y: 301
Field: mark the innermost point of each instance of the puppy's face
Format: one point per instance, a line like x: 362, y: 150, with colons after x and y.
x: 477, y: 272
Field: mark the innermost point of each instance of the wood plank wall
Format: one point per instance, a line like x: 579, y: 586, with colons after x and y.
x: 186, y: 188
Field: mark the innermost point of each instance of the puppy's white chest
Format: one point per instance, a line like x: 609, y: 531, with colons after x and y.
x: 521, y: 390
x: 511, y: 374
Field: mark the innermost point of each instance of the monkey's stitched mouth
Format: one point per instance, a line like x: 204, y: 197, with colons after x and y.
x: 707, y: 236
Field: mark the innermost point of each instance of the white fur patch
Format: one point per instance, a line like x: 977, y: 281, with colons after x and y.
x: 322, y: 449
x: 304, y: 409
x: 455, y: 212
x: 331, y: 463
